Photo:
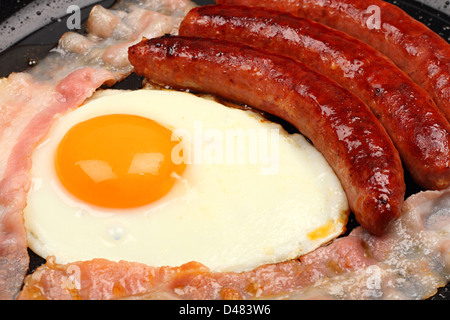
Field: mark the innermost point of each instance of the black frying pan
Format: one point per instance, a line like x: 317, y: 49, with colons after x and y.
x: 34, y: 42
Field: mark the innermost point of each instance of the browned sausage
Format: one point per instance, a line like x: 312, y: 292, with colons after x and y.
x: 416, y: 49
x: 339, y: 124
x: 419, y: 130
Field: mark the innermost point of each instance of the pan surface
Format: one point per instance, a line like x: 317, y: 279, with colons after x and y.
x: 30, y: 28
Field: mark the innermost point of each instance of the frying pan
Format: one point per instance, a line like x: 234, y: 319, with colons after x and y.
x: 30, y: 28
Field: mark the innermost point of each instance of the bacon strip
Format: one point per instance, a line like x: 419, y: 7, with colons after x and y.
x: 29, y: 109
x: 409, y: 262
x: 103, y: 279
x: 110, y: 33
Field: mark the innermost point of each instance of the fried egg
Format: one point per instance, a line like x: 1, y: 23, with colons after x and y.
x: 164, y: 178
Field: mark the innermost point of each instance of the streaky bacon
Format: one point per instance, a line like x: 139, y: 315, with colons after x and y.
x: 409, y: 262
x: 30, y: 101
x: 29, y: 109
x: 109, y: 34
x: 103, y: 279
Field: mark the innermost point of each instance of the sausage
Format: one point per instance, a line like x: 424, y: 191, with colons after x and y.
x: 416, y: 49
x: 338, y: 123
x: 419, y: 130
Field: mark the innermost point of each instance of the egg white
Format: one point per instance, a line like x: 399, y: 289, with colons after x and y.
x: 228, y: 216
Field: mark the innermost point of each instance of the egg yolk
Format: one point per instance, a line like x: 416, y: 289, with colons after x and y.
x: 117, y: 161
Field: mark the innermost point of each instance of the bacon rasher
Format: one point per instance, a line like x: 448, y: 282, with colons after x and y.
x: 409, y: 262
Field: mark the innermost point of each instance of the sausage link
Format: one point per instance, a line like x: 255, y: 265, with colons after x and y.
x: 419, y: 130
x: 417, y: 50
x: 339, y: 124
